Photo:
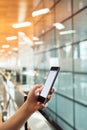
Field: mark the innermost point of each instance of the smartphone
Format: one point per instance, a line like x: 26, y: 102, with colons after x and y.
x: 48, y: 84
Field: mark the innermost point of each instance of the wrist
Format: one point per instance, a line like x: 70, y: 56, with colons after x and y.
x: 27, y: 108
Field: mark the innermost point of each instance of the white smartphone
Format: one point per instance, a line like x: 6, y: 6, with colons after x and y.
x: 48, y: 84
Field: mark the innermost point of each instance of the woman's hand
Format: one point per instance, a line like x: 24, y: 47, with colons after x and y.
x: 33, y: 96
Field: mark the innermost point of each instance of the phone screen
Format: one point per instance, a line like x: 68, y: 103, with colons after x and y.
x: 48, y: 83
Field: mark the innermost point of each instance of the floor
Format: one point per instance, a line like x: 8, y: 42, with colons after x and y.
x: 38, y: 122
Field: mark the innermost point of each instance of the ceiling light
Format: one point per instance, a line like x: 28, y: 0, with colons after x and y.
x: 11, y: 38
x: 59, y: 26
x: 40, y: 12
x: 20, y: 25
x: 15, y: 49
x: 35, y: 38
x: 5, y: 46
x: 67, y: 32
x: 39, y: 43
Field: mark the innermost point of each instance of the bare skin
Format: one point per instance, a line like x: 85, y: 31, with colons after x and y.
x: 26, y: 110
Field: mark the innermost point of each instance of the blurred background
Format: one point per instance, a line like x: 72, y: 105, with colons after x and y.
x: 38, y: 34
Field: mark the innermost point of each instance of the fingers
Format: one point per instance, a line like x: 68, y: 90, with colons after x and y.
x: 52, y: 91
x: 34, y: 92
x: 38, y: 86
x: 41, y: 106
x: 49, y: 97
x: 50, y: 94
x: 38, y: 90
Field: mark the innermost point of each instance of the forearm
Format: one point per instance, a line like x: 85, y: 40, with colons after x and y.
x: 18, y: 119
x: 30, y: 106
x: 0, y: 119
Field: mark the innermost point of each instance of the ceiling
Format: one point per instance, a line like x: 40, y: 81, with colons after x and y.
x: 11, y: 12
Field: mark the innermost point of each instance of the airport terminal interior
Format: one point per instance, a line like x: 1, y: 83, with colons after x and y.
x: 34, y: 36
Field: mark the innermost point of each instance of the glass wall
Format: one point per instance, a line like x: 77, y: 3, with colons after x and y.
x: 65, y: 47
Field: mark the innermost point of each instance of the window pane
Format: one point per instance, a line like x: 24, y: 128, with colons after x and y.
x: 64, y: 84
x: 79, y: 4
x: 50, y: 114
x: 80, y: 26
x: 65, y: 58
x: 63, y: 125
x: 60, y: 7
x: 80, y: 117
x: 52, y: 103
x: 45, y: 60
x: 49, y: 40
x: 80, y: 57
x: 49, y: 20
x: 81, y: 88
x: 65, y: 112
x: 64, y: 36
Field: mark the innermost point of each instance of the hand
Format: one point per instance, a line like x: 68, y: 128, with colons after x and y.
x: 33, y: 96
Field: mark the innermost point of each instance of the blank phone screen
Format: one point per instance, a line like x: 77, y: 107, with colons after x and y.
x: 48, y: 83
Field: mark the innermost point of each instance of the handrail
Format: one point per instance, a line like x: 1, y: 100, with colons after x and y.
x: 15, y: 104
x: 4, y: 81
x: 20, y: 90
